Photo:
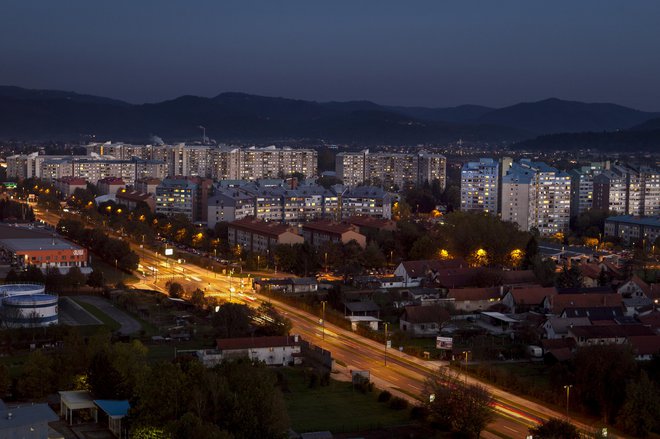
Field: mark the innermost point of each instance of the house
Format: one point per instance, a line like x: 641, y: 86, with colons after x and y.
x: 363, y: 308
x: 609, y: 334
x: 110, y: 185
x: 557, y: 327
x: 423, y: 321
x: 422, y: 296
x: 26, y: 421
x: 319, y: 232
x: 414, y: 272
x: 558, y: 349
x: 594, y: 273
x: 273, y: 350
x: 636, y: 287
x: 645, y: 346
x: 367, y: 224
x: 557, y: 303
x: 522, y: 299
x: 497, y: 323
x: 67, y: 185
x: 474, y: 299
x: 651, y: 320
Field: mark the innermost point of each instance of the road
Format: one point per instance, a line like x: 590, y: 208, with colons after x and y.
x: 403, y: 375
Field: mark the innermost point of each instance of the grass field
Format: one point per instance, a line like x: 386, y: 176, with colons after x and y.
x: 337, y: 407
x: 112, y: 324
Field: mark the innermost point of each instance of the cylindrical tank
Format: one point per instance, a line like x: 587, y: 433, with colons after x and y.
x: 30, y: 310
x: 8, y: 290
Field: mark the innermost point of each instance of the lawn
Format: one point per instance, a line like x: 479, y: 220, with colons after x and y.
x: 337, y: 407
x: 112, y: 324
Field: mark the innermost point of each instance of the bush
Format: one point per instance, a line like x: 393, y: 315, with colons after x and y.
x: 362, y: 384
x: 418, y: 413
x: 397, y: 403
x: 384, y: 396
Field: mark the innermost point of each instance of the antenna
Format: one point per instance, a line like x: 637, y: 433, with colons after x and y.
x: 203, y: 134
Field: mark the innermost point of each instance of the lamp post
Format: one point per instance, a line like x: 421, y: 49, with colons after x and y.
x: 386, y: 325
x: 568, y: 395
x: 323, y: 302
x: 466, y: 364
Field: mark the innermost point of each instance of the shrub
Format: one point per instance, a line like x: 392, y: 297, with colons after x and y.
x: 397, y: 403
x: 384, y: 396
x: 418, y: 413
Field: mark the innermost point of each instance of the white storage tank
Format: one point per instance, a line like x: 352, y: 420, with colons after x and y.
x: 30, y: 310
x: 8, y: 290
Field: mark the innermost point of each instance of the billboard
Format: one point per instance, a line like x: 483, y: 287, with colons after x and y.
x: 445, y: 343
x: 169, y: 251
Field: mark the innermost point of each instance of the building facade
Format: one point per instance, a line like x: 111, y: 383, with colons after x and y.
x: 479, y: 186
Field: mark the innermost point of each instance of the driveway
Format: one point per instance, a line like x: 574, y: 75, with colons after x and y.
x: 128, y: 324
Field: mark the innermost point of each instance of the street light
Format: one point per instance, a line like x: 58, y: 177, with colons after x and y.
x: 568, y: 394
x: 323, y: 302
x: 386, y: 342
x: 466, y: 364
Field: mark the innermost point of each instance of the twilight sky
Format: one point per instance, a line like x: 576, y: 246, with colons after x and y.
x: 431, y: 53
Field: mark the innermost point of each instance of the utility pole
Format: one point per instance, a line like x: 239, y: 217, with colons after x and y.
x: 568, y: 395
x: 323, y: 302
x: 386, y: 340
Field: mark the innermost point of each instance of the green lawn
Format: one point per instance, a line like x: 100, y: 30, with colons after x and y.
x: 336, y: 407
x: 14, y: 363
x: 112, y: 324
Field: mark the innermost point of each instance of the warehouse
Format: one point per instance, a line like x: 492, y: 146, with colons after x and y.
x: 44, y: 253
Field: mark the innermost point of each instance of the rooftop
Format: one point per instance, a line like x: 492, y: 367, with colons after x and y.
x: 257, y: 342
x: 637, y: 220
x: 27, y: 244
x: 262, y: 227
x: 426, y: 314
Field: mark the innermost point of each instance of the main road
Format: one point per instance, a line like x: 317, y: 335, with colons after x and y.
x: 403, y: 374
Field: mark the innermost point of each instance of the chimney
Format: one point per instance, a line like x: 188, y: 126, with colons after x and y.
x: 295, y: 338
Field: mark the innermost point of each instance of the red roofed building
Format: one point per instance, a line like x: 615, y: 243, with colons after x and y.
x: 68, y: 185
x: 319, y: 232
x: 370, y: 223
x: 110, y: 185
x: 474, y: 299
x: 645, y: 346
x: 132, y: 199
x: 259, y: 236
x: 413, y: 272
x: 528, y: 298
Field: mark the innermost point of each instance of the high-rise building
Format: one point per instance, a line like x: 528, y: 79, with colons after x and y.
x: 479, y: 186
x: 582, y: 186
x: 535, y: 195
x: 628, y: 191
x: 391, y: 171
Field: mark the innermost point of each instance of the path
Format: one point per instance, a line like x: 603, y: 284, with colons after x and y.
x: 128, y: 324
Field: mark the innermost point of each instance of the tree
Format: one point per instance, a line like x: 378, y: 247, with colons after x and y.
x: 569, y: 277
x: 174, y: 289
x: 12, y: 276
x: 602, y: 371
x: 103, y: 378
x: 454, y: 405
x: 75, y: 278
x: 192, y: 426
x: 38, y: 376
x: 554, y: 429
x: 640, y: 413
x: 95, y: 279
x: 531, y: 251
x: 5, y: 380
x: 232, y: 320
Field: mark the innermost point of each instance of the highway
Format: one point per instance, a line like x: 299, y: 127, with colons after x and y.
x: 404, y: 375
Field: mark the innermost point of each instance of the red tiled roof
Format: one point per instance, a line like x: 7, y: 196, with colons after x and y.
x: 419, y: 268
x: 460, y: 294
x: 651, y: 319
x: 133, y: 196
x: 111, y: 180
x: 426, y: 314
x: 595, y: 300
x: 532, y: 295
x: 256, y: 342
x: 72, y: 180
x: 329, y: 227
x: 610, y: 331
x: 645, y: 344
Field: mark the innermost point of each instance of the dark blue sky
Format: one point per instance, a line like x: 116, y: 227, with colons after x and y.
x: 431, y: 53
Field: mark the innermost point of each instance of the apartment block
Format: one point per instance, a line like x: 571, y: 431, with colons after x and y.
x: 261, y: 236
x: 535, y: 195
x: 633, y: 229
x: 479, y: 186
x: 392, y: 171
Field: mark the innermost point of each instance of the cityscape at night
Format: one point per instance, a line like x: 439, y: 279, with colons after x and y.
x: 314, y: 220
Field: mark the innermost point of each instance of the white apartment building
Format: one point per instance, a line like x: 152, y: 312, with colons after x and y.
x: 535, y: 195
x: 479, y: 186
x: 628, y: 191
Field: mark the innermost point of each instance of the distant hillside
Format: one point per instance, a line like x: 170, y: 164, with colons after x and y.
x: 649, y: 125
x: 239, y: 117
x: 556, y: 116
x: 30, y: 114
x: 619, y: 141
x: 460, y: 114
